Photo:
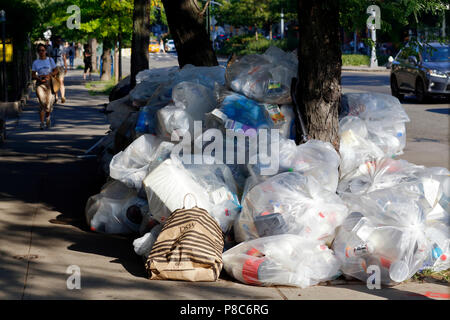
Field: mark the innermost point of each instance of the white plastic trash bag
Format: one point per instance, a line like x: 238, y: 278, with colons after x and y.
x: 195, y: 98
x: 290, y: 203
x: 174, y: 121
x: 212, y: 187
x: 355, y: 148
x: 116, y: 210
x: 314, y: 158
x: 386, y: 229
x: 286, y: 259
x: 381, y: 173
x: 262, y: 77
x: 143, y: 245
x: 131, y: 166
x: 371, y: 125
x: 206, y: 76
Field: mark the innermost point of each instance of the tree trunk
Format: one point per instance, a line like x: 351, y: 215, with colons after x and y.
x: 186, y: 24
x: 319, y: 68
x: 116, y: 63
x: 106, y: 67
x: 256, y: 34
x: 141, y: 38
x: 270, y: 31
x: 93, y: 45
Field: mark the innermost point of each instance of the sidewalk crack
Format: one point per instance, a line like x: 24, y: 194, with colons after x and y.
x: 283, y: 296
x: 28, y: 254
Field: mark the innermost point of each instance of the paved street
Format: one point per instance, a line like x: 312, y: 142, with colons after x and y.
x: 427, y: 134
x: 44, y: 187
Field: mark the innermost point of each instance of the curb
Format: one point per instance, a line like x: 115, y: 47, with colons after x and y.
x: 356, y: 69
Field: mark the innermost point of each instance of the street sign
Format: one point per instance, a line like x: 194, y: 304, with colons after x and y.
x: 47, y: 34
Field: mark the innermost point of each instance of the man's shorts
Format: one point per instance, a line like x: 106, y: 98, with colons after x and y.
x: 60, y: 74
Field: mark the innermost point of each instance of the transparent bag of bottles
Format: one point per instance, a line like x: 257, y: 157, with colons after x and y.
x: 290, y: 203
x: 286, y: 259
x: 115, y: 210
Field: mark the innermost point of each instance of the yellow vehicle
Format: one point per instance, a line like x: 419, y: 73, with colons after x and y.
x: 153, y: 46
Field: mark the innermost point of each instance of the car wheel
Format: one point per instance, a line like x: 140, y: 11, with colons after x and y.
x: 395, y: 90
x: 421, y: 95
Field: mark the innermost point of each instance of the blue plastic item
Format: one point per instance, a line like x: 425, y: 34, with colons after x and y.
x: 246, y: 111
x: 147, y: 121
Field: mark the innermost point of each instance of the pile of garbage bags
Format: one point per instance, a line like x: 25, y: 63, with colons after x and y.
x: 290, y: 214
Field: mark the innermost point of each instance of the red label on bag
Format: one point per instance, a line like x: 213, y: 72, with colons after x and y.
x: 250, y: 270
x: 385, y: 263
x: 254, y: 253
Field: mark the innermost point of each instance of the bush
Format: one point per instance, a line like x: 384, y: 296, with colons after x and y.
x: 355, y: 60
x: 246, y: 44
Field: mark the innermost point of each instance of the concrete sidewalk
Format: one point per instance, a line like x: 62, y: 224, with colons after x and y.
x: 43, y: 191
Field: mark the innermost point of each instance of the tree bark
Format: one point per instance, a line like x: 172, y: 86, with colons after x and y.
x: 116, y: 64
x: 319, y: 68
x: 186, y: 24
x: 93, y: 45
x: 106, y: 67
x: 140, y: 39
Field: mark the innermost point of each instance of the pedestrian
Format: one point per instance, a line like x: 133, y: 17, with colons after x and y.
x: 48, y: 47
x: 43, y: 69
x: 71, y: 55
x: 59, y: 56
x: 87, y: 59
x: 362, y: 48
x: 161, y: 46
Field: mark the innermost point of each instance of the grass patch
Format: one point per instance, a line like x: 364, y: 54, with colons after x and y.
x: 355, y: 60
x: 100, y: 87
x: 80, y: 67
x: 427, y: 275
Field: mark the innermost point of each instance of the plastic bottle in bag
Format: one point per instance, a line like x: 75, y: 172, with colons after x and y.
x: 262, y: 270
x: 246, y: 111
x: 147, y: 122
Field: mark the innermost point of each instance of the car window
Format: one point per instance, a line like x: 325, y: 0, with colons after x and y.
x: 436, y: 54
x: 408, y: 51
x: 404, y: 54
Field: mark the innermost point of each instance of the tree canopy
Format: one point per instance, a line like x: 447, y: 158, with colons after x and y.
x: 100, y: 19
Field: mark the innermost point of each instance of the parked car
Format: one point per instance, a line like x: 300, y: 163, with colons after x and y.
x: 422, y: 70
x: 153, y: 46
x: 170, y: 45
